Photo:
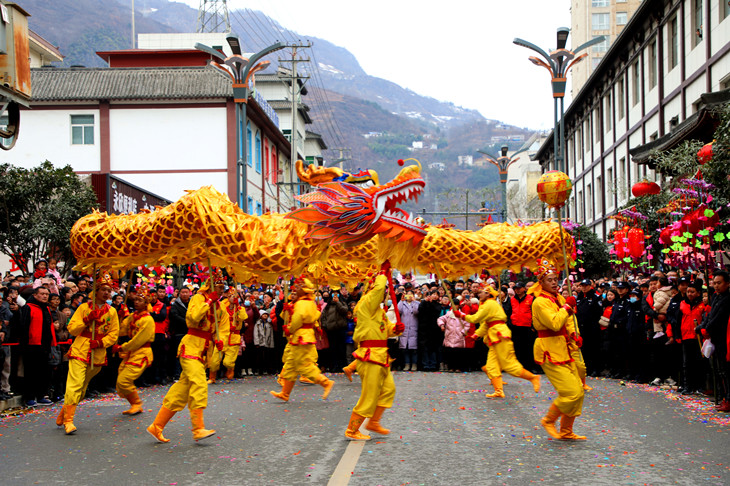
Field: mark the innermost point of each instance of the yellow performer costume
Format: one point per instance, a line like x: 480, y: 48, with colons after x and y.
x: 192, y: 388
x: 232, y: 346
x: 373, y: 363
x: 301, y: 358
x: 95, y: 328
x: 554, y: 350
x: 214, y: 356
x: 136, y: 353
x: 498, y: 337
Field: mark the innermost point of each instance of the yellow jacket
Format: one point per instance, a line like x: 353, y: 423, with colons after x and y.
x: 304, y: 321
x: 237, y: 317
x: 200, y: 320
x: 373, y: 325
x: 493, y: 322
x: 553, y: 325
x: 106, y: 329
x: 141, y: 331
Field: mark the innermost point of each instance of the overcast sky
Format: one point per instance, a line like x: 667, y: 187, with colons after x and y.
x: 459, y: 51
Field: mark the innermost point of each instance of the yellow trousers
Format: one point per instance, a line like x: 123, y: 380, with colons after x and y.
x: 79, y: 376
x: 566, y: 382
x: 228, y: 356
x: 301, y: 360
x: 579, y: 363
x: 191, y: 389
x: 377, y: 388
x: 127, y: 374
x: 501, y: 358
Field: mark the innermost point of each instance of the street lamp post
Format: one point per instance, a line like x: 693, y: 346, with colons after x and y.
x: 558, y: 62
x: 503, y: 162
x: 241, y: 70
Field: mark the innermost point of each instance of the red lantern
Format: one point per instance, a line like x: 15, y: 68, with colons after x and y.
x: 645, y: 188
x: 619, y: 243
x: 636, y: 242
x: 705, y: 154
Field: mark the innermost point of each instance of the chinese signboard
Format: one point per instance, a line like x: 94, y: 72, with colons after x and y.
x: 116, y: 196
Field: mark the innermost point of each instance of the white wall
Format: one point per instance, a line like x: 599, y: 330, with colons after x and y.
x: 46, y: 135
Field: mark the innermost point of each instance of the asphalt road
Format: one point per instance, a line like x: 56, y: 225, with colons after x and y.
x: 443, y: 431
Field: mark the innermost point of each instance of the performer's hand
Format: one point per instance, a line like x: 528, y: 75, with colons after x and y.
x: 399, y: 328
x: 219, y: 345
x: 570, y: 300
x: 704, y: 333
x: 578, y: 340
x: 458, y: 313
x: 96, y: 343
x: 212, y: 297
x: 94, y: 315
x: 116, y: 349
x: 569, y: 309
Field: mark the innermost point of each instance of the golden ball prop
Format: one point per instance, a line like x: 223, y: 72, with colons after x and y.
x: 554, y: 188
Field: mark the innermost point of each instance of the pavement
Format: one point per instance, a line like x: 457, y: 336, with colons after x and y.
x: 443, y: 431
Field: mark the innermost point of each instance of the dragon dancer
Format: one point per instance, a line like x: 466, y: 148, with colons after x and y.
x: 229, y: 353
x: 232, y: 345
x: 373, y: 363
x: 136, y: 353
x: 498, y: 337
x: 95, y: 327
x: 204, y: 312
x: 301, y: 357
x: 553, y: 319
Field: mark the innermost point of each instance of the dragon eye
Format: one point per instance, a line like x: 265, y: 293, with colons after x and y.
x: 369, y: 183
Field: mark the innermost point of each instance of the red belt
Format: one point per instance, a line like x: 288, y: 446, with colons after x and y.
x: 201, y: 334
x: 548, y: 333
x: 236, y: 332
x: 494, y: 323
x: 307, y: 326
x: 374, y: 343
x: 87, y: 335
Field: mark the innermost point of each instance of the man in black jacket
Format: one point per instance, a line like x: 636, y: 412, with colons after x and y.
x: 588, y: 312
x: 334, y: 322
x: 177, y: 330
x: 715, y: 326
x: 617, y: 331
x: 430, y: 336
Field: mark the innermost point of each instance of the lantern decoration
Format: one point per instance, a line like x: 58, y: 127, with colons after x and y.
x: 705, y: 154
x: 554, y: 188
x: 636, y: 242
x: 620, y: 242
x: 645, y: 188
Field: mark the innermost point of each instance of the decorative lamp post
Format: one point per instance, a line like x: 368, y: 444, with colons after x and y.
x: 241, y: 70
x: 503, y: 162
x: 558, y: 62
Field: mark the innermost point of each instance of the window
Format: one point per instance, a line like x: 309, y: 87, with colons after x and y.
x: 595, y: 61
x: 82, y: 129
x: 652, y: 64
x: 250, y: 205
x: 609, y: 186
x: 273, y: 166
x: 579, y: 135
x: 607, y: 111
x: 673, y: 43
x: 599, y: 196
x: 599, y: 3
x: 696, y: 22
x: 600, y: 21
x: 589, y: 203
x: 635, y: 84
x: 622, y: 171
x: 259, y: 209
x: 249, y: 144
x: 581, y: 207
x: 622, y: 18
x: 620, y: 99
x: 4, y: 124
x: 724, y: 9
x: 257, y: 155
x: 596, y: 125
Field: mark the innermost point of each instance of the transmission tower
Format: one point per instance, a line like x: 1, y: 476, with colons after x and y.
x: 213, y: 15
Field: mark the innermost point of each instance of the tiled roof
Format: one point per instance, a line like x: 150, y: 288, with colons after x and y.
x: 164, y: 83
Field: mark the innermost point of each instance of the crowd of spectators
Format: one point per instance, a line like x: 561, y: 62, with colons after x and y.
x: 642, y: 328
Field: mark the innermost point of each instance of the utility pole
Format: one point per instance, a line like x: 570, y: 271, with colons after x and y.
x: 296, y: 90
x: 466, y: 209
x: 134, y: 44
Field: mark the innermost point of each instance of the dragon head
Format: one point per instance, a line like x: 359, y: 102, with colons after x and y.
x: 349, y: 209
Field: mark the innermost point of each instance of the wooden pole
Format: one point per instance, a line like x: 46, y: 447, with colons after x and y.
x: 211, y: 285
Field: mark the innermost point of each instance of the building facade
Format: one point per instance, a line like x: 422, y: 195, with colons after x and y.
x: 654, y: 82
x: 593, y: 18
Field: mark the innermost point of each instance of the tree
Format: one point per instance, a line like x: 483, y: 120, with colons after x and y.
x: 594, y: 256
x: 38, y: 207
